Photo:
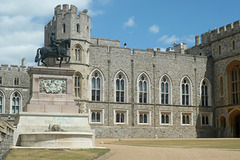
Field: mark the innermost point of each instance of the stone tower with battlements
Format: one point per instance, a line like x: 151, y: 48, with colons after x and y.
x: 67, y: 23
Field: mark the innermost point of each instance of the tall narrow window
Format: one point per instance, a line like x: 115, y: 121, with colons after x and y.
x: 78, y: 53
x: 219, y: 50
x: 233, y: 45
x: 143, y: 89
x: 63, y: 28
x: 1, y: 102
x: 119, y: 88
x: 165, y: 90
x: 78, y: 29
x: 96, y: 87
x: 204, y: 94
x: 16, y: 81
x: 0, y: 80
x: 16, y: 102
x: 185, y: 91
x: 235, y: 84
x: 77, y: 83
x: 221, y: 86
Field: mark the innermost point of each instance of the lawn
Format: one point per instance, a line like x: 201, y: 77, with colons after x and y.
x: 182, y: 143
x: 46, y: 154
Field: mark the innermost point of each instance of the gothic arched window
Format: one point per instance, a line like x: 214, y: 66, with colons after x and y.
x: 78, y: 53
x: 165, y: 90
x: 16, y: 103
x: 185, y: 92
x: 120, y: 87
x: 143, y: 89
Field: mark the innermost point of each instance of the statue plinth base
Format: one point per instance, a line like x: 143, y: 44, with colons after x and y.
x: 51, y: 119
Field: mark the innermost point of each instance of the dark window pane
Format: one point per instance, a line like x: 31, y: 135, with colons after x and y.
x: 166, y: 100
x: 117, y: 117
x: 93, y: 83
x: 163, y: 120
x: 117, y: 96
x: 117, y: 85
x: 122, y: 84
x: 203, y: 120
x: 98, y: 117
x: 162, y: 99
x: 140, y: 98
x: 122, y: 96
x: 122, y: 117
x: 93, y: 95
x: 167, y: 119
x: 98, y: 95
x: 145, y: 118
x: 145, y: 97
x: 93, y: 117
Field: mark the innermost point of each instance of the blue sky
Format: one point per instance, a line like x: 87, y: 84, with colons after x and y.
x: 140, y: 23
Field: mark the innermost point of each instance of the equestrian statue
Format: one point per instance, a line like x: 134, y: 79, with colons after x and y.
x: 56, y: 50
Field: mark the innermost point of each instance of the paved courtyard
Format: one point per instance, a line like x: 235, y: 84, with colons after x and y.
x: 124, y: 152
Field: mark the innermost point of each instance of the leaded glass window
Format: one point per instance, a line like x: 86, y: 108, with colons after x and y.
x: 96, y: 89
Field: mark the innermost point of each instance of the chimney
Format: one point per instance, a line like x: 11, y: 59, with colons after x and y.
x: 196, y: 40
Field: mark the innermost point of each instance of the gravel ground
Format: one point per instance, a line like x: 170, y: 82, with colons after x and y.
x: 123, y: 152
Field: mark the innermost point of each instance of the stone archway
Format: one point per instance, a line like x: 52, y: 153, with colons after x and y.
x: 234, y: 121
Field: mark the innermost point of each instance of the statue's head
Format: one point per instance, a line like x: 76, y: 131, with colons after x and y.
x: 53, y: 33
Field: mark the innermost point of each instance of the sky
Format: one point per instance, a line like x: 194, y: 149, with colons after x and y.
x: 141, y: 24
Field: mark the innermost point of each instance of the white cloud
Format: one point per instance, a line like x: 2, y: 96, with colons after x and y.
x: 154, y: 29
x: 22, y: 26
x: 171, y: 39
x: 130, y: 22
x: 168, y: 40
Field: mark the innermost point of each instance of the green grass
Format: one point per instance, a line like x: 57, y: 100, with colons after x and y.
x: 45, y: 154
x: 183, y: 143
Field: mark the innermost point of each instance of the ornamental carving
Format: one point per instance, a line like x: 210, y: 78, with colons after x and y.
x: 52, y: 86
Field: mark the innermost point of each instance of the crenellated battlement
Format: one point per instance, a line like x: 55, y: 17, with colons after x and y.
x: 61, y: 9
x: 222, y: 32
x: 6, y: 67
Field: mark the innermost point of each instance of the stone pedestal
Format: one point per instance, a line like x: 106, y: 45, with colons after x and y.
x: 51, y: 119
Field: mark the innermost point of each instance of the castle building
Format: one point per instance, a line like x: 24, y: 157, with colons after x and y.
x: 185, y: 92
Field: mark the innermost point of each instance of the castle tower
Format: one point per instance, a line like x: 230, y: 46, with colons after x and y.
x: 67, y: 23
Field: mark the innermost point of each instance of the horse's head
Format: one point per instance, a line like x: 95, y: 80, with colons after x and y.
x: 66, y: 43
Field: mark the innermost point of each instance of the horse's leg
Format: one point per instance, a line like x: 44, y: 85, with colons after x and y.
x: 68, y: 59
x: 60, y: 64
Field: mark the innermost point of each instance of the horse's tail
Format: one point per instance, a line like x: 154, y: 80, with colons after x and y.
x: 36, y: 58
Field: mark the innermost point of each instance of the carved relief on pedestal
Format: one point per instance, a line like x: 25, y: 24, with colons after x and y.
x: 53, y: 86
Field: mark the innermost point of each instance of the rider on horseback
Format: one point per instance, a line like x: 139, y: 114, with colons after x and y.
x: 54, y: 43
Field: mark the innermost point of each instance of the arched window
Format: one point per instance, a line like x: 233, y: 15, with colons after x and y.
x: 165, y: 90
x: 121, y: 87
x: 78, y: 28
x: 205, y: 93
x: 77, y: 84
x: 78, y: 53
x: 96, y: 83
x: 186, y: 91
x: 16, y: 103
x: 235, y: 81
x: 2, y: 105
x: 63, y: 28
x: 143, y: 89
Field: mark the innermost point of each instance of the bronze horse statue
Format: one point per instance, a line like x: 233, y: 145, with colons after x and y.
x: 52, y: 52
